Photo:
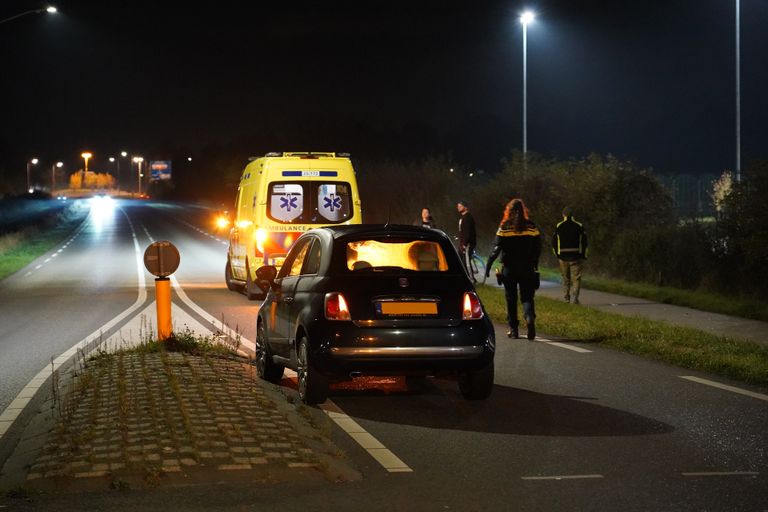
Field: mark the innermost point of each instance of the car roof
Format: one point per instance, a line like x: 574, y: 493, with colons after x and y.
x: 375, y: 230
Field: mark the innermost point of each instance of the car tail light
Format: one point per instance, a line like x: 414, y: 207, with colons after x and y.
x: 472, y: 309
x: 336, y: 307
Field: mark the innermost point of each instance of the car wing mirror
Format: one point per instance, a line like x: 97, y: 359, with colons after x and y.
x: 265, y: 277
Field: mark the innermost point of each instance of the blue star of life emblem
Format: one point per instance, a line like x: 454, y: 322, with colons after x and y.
x: 331, y: 203
x: 288, y: 203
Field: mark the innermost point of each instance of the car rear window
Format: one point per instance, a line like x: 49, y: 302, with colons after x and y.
x: 383, y: 255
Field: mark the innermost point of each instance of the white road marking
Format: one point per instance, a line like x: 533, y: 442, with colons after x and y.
x: 563, y: 345
x: 375, y: 449
x: 732, y: 389
x: 373, y: 446
x: 250, y: 345
x: 561, y: 477
x: 722, y: 473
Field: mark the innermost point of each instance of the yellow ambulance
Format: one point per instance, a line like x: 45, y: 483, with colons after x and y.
x: 280, y: 196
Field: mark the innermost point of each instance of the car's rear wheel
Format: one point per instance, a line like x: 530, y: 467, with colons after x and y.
x: 313, y: 387
x: 232, y: 285
x: 477, y: 385
x: 265, y: 366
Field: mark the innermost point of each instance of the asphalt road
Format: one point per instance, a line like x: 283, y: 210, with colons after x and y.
x: 592, y: 429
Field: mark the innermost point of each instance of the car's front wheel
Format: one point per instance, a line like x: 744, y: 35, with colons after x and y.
x: 265, y: 366
x: 477, y: 385
x: 313, y: 387
x: 232, y: 285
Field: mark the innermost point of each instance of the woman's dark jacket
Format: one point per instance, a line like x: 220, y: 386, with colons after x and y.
x: 518, y: 249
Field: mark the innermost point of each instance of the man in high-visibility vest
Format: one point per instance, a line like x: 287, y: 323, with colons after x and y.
x: 569, y: 243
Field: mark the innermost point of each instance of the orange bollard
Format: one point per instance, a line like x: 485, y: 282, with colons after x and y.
x: 163, y: 299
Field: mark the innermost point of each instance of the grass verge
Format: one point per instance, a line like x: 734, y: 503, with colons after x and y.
x: 703, y: 300
x: 679, y: 346
x: 20, y: 248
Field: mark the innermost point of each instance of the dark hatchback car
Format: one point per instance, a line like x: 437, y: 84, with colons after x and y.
x: 373, y: 300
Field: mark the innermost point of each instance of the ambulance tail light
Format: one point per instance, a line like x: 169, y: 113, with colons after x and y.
x: 261, y: 237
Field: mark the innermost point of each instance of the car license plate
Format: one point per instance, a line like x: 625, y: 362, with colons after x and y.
x: 407, y: 308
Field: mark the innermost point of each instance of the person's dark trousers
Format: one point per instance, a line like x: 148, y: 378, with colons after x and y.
x: 466, y: 256
x: 514, y: 278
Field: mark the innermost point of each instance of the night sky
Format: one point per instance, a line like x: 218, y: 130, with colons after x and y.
x: 652, y: 82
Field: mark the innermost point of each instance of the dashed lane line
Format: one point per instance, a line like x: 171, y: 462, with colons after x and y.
x: 563, y: 345
x: 47, y: 260
x: 725, y: 387
x: 722, y: 473
x: 562, y: 477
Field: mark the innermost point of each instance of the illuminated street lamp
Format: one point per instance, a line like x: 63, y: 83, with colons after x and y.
x: 123, y: 154
x: 30, y: 162
x: 138, y: 161
x: 525, y: 19
x: 86, y: 156
x: 50, y: 10
x: 53, y: 174
x: 113, y: 160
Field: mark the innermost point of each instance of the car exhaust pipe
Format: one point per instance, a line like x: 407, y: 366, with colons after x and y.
x: 355, y: 373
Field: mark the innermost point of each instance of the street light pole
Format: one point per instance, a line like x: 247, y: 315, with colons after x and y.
x: 112, y: 160
x: 53, y: 175
x: 738, y: 95
x: 138, y: 161
x: 122, y: 154
x: 525, y: 19
x: 85, y: 156
x: 50, y: 10
x: 29, y: 183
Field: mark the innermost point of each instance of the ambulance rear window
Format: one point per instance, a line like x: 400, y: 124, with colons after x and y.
x: 309, y: 202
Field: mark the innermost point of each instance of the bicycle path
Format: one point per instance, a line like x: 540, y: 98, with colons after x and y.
x: 714, y: 323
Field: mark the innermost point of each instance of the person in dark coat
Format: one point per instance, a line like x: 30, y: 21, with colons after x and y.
x: 467, y: 236
x: 518, y: 241
x: 569, y: 243
x: 426, y: 220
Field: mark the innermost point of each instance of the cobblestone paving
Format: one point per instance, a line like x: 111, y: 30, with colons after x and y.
x: 155, y: 414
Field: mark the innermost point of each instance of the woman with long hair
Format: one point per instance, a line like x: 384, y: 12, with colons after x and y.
x: 518, y: 241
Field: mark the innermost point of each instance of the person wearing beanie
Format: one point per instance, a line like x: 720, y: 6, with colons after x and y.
x: 569, y: 243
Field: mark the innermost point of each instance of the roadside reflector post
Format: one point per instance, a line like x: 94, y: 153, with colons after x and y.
x: 163, y: 299
x: 162, y: 259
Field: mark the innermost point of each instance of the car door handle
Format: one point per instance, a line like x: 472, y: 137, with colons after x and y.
x: 287, y: 300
